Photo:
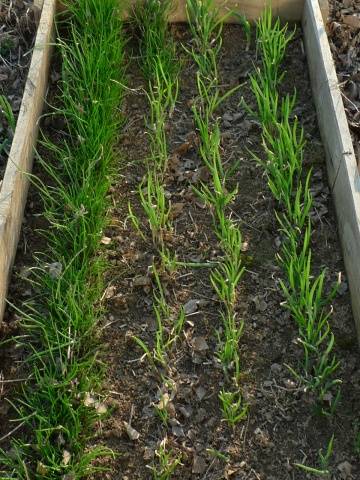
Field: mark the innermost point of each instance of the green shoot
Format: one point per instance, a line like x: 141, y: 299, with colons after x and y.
x: 283, y: 141
x: 233, y: 407
x: 167, y: 462
x: 324, y: 461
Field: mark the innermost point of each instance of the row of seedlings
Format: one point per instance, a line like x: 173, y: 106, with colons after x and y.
x: 304, y: 290
x: 206, y: 29
x: 161, y: 70
x: 60, y: 404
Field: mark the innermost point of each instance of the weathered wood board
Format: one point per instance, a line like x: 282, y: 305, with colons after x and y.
x: 290, y: 10
x: 16, y: 181
x: 342, y: 169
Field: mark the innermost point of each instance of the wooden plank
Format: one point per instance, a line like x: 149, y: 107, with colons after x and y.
x: 341, y: 162
x: 290, y: 10
x: 15, y: 182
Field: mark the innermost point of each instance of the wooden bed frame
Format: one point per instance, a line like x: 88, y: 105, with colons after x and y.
x: 342, y: 169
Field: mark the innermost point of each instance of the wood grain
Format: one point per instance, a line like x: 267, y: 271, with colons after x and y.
x: 290, y: 10
x: 341, y: 162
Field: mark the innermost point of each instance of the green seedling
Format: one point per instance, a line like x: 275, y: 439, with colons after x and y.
x: 135, y: 221
x: 161, y: 408
x: 155, y: 206
x: 324, y: 461
x: 225, y: 279
x: 229, y: 344
x: 273, y: 40
x: 167, y: 462
x: 168, y: 327
x: 246, y: 27
x: 165, y: 397
x: 156, y: 45
x: 206, y: 28
x: 233, y: 407
x: 283, y: 141
x: 7, y: 113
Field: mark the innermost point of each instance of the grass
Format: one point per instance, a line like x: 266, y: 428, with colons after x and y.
x: 168, y: 326
x: 283, y: 140
x: 60, y: 321
x: 167, y: 462
x: 9, y: 118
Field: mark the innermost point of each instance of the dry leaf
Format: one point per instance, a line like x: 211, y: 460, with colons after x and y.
x: 100, y: 408
x: 106, y: 240
x: 89, y: 400
x: 142, y: 281
x: 199, y: 465
x: 132, y: 433
x: 42, y: 469
x: 199, y: 344
x: 66, y: 457
x: 352, y: 20
x: 176, y: 209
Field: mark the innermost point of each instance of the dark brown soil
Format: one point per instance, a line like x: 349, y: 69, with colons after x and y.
x: 18, y: 21
x: 344, y: 36
x: 283, y: 426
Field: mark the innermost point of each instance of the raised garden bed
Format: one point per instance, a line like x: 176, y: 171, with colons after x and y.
x: 19, y: 159
x: 167, y: 404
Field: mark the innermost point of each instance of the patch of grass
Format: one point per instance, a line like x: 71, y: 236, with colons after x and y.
x: 60, y: 320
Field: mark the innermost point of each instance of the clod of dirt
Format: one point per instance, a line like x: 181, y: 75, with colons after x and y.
x: 199, y: 344
x: 199, y: 465
x: 345, y: 469
x: 191, y: 306
x: 260, y: 304
x: 142, y: 281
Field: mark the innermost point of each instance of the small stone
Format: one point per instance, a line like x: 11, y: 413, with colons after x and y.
x: 345, y: 469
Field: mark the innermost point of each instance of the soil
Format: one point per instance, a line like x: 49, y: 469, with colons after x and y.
x: 283, y: 426
x: 18, y: 22
x: 344, y: 37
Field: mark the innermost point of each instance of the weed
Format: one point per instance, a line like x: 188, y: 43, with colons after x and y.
x: 155, y: 206
x: 233, y: 407
x: 324, y: 460
x: 168, y: 326
x: 167, y: 462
